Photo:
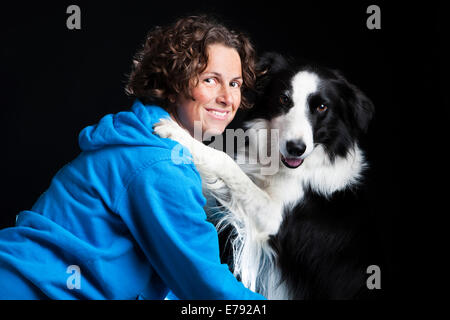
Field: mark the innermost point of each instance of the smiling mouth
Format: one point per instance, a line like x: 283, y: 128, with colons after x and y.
x: 291, y: 163
x: 218, y: 114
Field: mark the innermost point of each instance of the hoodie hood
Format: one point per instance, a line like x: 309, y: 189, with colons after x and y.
x: 133, y: 128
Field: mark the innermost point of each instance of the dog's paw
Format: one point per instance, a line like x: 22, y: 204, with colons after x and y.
x: 167, y: 128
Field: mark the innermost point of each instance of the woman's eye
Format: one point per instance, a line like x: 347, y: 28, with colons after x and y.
x: 210, y: 80
x: 235, y: 84
x: 322, y: 108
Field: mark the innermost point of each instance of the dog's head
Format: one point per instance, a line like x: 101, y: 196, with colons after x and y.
x: 310, y: 106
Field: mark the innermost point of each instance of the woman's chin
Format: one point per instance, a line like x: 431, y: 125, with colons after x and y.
x: 213, y: 131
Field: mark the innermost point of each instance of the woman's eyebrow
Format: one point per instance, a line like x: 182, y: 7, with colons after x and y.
x: 218, y: 74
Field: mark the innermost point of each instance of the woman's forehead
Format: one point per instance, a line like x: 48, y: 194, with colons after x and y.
x: 224, y: 61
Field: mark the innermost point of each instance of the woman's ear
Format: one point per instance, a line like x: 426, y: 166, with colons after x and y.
x: 172, y: 99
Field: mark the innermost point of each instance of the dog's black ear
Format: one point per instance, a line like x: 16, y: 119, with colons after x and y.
x: 362, y: 107
x: 271, y: 62
x: 268, y: 64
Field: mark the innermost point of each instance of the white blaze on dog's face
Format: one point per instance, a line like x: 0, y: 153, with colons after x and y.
x: 295, y: 128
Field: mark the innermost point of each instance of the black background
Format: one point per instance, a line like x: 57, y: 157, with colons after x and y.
x: 56, y: 81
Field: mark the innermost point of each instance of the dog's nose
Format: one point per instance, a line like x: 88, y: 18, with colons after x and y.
x: 295, y: 148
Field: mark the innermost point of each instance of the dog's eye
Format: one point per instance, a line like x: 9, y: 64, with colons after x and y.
x: 322, y: 108
x: 284, y: 100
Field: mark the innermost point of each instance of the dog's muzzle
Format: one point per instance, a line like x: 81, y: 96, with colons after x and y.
x: 295, y: 149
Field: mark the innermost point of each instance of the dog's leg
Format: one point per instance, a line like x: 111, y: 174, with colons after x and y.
x: 247, y: 200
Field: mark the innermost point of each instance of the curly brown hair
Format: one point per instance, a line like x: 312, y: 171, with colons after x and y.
x: 174, y: 56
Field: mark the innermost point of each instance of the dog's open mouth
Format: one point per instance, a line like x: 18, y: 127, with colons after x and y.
x: 291, y: 162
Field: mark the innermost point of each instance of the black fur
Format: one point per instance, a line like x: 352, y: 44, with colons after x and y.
x: 324, y: 245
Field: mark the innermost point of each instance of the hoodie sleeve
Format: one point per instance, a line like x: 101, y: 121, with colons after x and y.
x: 163, y: 208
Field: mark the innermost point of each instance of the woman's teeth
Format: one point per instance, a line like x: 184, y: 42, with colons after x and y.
x: 217, y: 113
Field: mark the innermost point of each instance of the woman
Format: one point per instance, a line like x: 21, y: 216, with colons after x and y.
x: 122, y: 220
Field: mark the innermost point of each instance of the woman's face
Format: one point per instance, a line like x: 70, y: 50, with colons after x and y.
x: 217, y: 95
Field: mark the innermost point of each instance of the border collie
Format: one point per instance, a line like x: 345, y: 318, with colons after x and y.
x: 301, y: 232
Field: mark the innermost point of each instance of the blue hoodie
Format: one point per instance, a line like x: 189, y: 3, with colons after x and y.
x: 121, y: 221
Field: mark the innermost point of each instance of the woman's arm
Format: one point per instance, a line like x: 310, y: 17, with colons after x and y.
x: 163, y: 207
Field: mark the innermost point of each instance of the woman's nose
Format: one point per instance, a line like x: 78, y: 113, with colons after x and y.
x: 225, y: 97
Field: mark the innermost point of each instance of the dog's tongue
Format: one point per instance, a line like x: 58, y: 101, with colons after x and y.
x: 293, y: 162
